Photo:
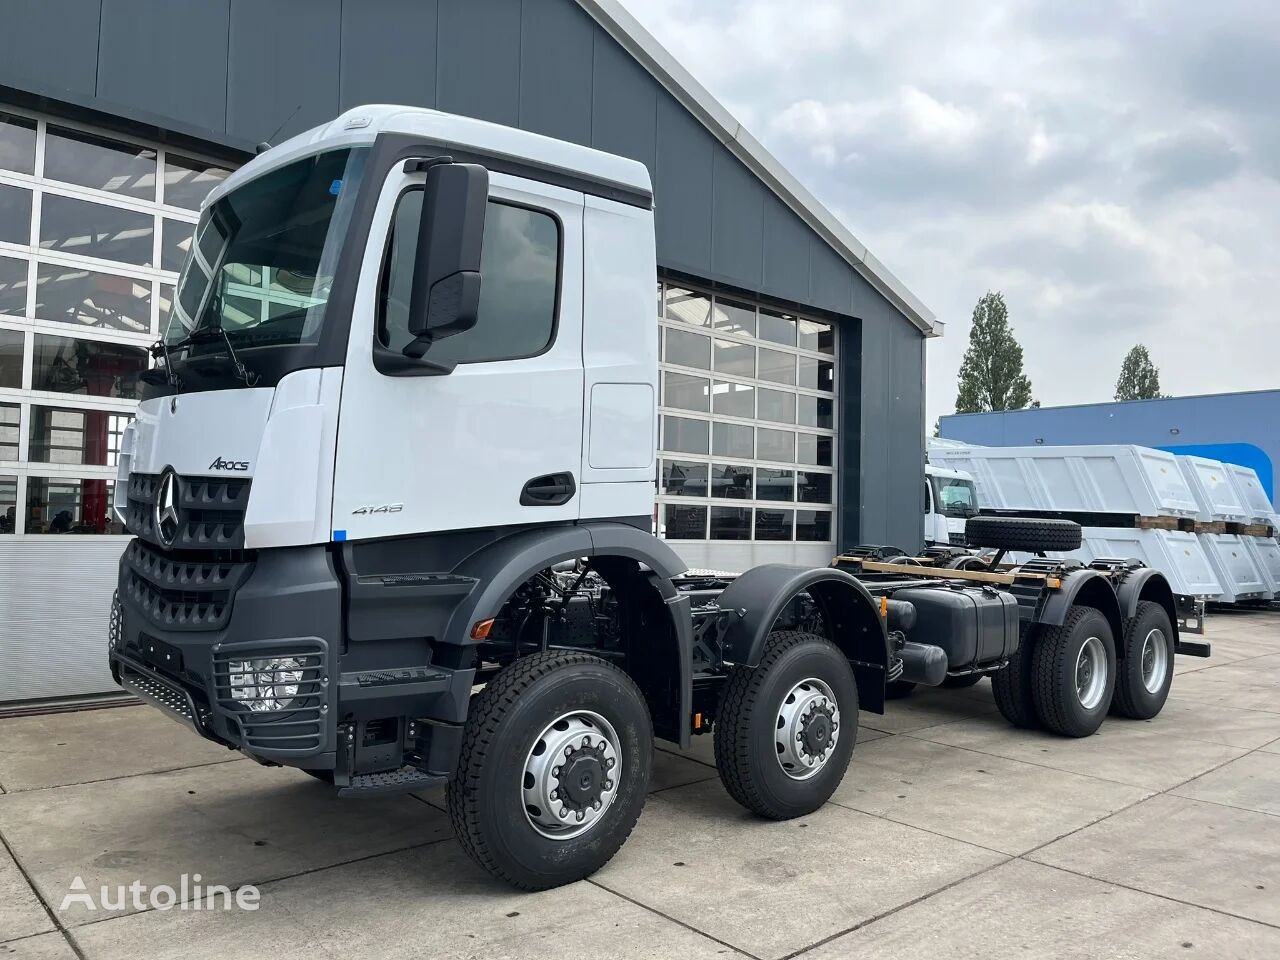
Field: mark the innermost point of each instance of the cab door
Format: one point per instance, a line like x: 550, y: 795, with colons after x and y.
x: 497, y: 441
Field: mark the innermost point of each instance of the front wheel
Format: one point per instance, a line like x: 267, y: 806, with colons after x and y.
x: 1145, y: 671
x: 1075, y: 673
x: 786, y: 728
x: 553, y: 771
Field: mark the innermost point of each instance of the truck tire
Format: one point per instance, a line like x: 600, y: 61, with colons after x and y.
x: 515, y: 808
x: 1012, y: 687
x: 786, y: 728
x: 962, y: 681
x: 1075, y: 671
x: 1015, y: 533
x: 1145, y: 671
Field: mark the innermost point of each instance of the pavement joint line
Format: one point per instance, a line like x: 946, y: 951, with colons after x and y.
x: 58, y: 926
x: 1228, y: 806
x: 913, y: 826
x: 124, y: 776
x: 892, y: 910
x: 665, y: 916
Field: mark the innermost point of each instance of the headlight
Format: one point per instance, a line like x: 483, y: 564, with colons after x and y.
x: 264, y: 685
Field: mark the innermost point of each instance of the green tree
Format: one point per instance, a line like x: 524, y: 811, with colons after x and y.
x: 991, y: 376
x: 1139, y: 377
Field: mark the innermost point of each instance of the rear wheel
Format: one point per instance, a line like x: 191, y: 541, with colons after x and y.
x: 1013, y: 686
x: 786, y: 728
x: 1145, y: 671
x: 1075, y: 673
x: 553, y: 770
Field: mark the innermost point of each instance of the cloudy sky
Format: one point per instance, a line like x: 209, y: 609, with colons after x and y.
x: 1113, y: 166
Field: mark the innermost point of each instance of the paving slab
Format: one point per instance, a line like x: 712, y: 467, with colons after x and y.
x: 1229, y: 686
x: 1272, y: 747
x: 773, y: 888
x: 60, y: 748
x: 1250, y: 783
x: 927, y: 708
x: 46, y: 946
x: 1006, y: 805
x: 1124, y: 751
x: 674, y: 770
x: 21, y: 914
x: 430, y: 902
x: 232, y: 823
x: 1219, y: 724
x: 1201, y: 853
x: 1025, y: 911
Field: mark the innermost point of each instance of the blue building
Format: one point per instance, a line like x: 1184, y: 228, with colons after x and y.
x: 1242, y: 428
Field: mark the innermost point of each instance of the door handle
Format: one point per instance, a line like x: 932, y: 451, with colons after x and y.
x: 551, y: 490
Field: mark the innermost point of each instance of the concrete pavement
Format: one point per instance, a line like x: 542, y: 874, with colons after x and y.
x: 953, y: 835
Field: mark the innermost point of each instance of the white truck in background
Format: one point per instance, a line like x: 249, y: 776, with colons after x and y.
x: 949, y: 500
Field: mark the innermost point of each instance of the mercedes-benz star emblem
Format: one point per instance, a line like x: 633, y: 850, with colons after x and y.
x: 166, y: 508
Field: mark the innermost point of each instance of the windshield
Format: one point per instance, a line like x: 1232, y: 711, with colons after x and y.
x: 955, y: 497
x: 264, y: 255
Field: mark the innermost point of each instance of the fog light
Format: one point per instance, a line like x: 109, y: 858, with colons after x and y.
x: 265, y: 685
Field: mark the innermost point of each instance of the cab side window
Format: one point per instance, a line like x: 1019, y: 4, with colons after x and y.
x: 519, y: 285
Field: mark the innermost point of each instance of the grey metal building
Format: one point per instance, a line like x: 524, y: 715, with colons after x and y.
x: 792, y: 402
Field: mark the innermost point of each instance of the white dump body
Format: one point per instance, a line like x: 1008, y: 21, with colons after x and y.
x: 1249, y: 489
x: 1116, y: 479
x: 1266, y: 553
x: 1180, y: 556
x: 1236, y: 565
x: 1215, y: 493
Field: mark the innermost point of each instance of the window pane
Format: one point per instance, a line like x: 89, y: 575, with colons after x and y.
x: 175, y: 242
x: 8, y: 431
x: 737, y: 359
x: 188, y: 182
x: 734, y: 399
x: 733, y: 317
x: 814, y: 450
x: 731, y: 481
x: 684, y: 478
x: 76, y: 295
x: 816, y: 412
x: 776, y: 445
x: 15, y: 214
x: 733, y: 440
x: 817, y: 374
x: 684, y: 523
x: 774, y: 484
x: 65, y: 435
x: 777, y: 406
x: 87, y: 367
x: 686, y: 307
x: 686, y: 392
x: 11, y: 358
x: 13, y: 286
x: 17, y: 143
x: 89, y: 229
x: 730, y: 523
x: 813, y: 525
x: 815, y: 335
x: 688, y: 350
x: 778, y: 328
x: 70, y: 506
x: 778, y: 367
x: 774, y: 524
x: 815, y: 487
x: 98, y: 162
x: 8, y: 498
x: 680, y: 435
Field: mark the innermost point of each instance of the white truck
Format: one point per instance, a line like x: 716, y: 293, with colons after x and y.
x: 390, y: 489
x: 949, y: 500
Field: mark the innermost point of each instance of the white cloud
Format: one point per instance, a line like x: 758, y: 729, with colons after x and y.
x: 1111, y: 165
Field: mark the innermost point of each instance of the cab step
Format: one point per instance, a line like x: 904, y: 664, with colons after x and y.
x: 382, y: 784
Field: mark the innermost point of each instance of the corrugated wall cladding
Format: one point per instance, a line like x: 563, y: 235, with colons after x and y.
x: 237, y: 72
x: 56, y: 595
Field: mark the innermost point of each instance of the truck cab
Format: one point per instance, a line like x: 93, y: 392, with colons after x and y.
x: 949, y: 500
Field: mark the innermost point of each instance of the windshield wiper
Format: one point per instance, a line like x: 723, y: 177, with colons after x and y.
x: 207, y: 333
x: 160, y: 350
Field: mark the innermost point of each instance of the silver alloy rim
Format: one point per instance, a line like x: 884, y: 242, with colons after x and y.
x: 1091, y: 673
x: 571, y: 775
x: 1155, y: 660
x: 807, y: 729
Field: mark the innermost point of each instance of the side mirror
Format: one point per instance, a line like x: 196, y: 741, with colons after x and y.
x: 445, y: 292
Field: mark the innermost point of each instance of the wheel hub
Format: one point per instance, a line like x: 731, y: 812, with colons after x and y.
x: 807, y: 728
x: 1091, y: 673
x: 571, y: 775
x: 1155, y: 660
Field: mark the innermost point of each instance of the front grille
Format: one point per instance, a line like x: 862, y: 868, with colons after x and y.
x: 296, y: 728
x: 178, y: 593
x: 210, y: 511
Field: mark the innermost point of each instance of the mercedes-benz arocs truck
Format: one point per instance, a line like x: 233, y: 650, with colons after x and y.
x: 390, y: 491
